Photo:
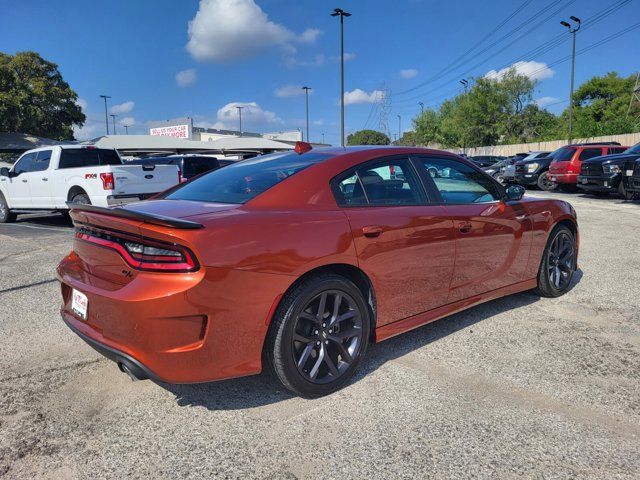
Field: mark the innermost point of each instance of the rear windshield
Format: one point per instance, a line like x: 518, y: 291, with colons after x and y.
x: 88, y: 157
x: 562, y: 154
x: 242, y: 181
x: 196, y: 165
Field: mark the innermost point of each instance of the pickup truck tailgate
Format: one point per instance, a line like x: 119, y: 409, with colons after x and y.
x: 143, y: 179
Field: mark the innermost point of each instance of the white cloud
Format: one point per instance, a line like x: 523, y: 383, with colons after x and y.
x: 89, y: 130
x: 187, y: 77
x: 408, y: 73
x: 252, y: 115
x: 121, y: 108
x: 130, y: 121
x: 532, y: 69
x: 310, y: 35
x: 229, y: 30
x: 360, y: 96
x: 289, y: 91
x: 544, y: 101
x: 82, y: 103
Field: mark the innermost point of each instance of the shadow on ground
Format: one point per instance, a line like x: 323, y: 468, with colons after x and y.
x: 259, y: 390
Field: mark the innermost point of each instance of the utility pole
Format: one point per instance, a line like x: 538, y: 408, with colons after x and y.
x: 113, y: 116
x: 240, y: 117
x: 306, y: 91
x: 573, y: 29
x: 342, y: 14
x: 465, y: 84
x: 399, y: 127
x: 421, y: 107
x: 106, y: 118
x: 126, y: 129
x: 323, y: 138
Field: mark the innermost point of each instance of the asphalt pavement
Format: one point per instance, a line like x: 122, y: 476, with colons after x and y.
x: 520, y: 387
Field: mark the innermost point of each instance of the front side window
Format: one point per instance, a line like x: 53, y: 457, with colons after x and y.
x: 24, y: 164
x: 242, y: 181
x: 41, y: 162
x: 386, y: 183
x: 563, y: 154
x: 459, y: 183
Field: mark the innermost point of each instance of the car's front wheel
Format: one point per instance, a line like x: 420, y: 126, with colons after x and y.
x: 545, y: 183
x: 6, y: 215
x: 318, y: 335
x: 558, y: 263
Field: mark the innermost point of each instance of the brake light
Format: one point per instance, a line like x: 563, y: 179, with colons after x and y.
x: 142, y: 253
x: 108, y: 182
x: 302, y: 147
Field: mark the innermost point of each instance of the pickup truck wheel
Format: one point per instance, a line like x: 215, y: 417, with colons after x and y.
x: 6, y: 215
x: 623, y: 191
x: 81, y: 198
x: 545, y: 183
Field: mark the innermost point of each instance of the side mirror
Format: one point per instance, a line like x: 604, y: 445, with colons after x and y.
x: 4, y: 172
x: 514, y: 192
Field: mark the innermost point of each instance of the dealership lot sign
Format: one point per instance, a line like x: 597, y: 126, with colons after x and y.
x: 179, y: 131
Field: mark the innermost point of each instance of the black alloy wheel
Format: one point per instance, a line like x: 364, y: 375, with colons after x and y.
x: 558, y: 263
x: 319, y: 335
x: 544, y: 182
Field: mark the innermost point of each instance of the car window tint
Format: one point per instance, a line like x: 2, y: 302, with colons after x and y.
x: 41, y: 162
x: 87, y: 157
x: 616, y: 149
x: 242, y: 181
x: 563, y: 154
x: 460, y: 183
x: 24, y: 164
x: 590, y: 153
x: 109, y: 157
x: 385, y: 183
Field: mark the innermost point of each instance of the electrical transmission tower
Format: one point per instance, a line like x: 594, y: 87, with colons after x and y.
x: 385, y: 109
x: 634, y: 103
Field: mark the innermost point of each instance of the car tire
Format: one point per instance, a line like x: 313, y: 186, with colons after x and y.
x: 315, y: 353
x: 623, y: 192
x: 557, y: 265
x: 544, y: 183
x: 82, y: 199
x: 6, y: 215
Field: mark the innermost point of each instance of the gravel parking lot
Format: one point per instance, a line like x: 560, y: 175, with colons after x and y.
x: 518, y: 387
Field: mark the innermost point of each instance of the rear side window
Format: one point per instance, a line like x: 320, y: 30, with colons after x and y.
x: 616, y: 150
x: 588, y: 153
x: 88, y: 157
x: 240, y: 182
x: 387, y: 183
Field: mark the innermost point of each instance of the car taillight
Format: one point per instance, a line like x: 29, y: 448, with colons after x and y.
x: 143, y: 254
x: 107, y: 181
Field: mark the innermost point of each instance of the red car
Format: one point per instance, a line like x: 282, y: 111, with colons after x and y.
x: 567, y: 161
x: 298, y: 261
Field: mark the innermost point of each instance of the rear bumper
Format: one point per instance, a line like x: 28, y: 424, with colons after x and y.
x: 563, y: 177
x: 600, y: 183
x: 176, y: 328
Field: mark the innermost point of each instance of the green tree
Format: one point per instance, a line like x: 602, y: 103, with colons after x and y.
x: 368, y: 137
x: 600, y: 107
x: 35, y: 99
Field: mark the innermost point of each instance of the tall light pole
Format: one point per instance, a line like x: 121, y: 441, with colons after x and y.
x: 465, y: 84
x: 573, y: 29
x: 306, y: 92
x: 106, y: 118
x: 421, y: 107
x: 126, y: 129
x: 323, y: 138
x: 341, y: 13
x: 240, y: 117
x: 113, y: 116
x: 399, y: 127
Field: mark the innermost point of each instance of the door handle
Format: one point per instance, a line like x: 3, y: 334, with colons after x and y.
x: 24, y: 180
x: 44, y: 179
x: 371, y: 231
x: 464, y: 227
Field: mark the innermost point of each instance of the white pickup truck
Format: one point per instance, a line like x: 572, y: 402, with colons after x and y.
x: 47, y: 178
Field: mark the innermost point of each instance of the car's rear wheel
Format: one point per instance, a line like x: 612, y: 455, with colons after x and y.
x: 623, y: 191
x: 545, y: 183
x: 6, y: 215
x: 318, y: 335
x: 558, y: 263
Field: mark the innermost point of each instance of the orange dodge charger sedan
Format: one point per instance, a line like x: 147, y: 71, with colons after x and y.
x: 298, y: 260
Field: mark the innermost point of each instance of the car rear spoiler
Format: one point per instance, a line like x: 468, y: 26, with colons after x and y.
x: 133, y: 215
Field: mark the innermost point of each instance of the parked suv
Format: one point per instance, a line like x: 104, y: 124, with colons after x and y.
x: 604, y: 175
x: 567, y: 161
x: 631, y: 173
x: 534, y: 172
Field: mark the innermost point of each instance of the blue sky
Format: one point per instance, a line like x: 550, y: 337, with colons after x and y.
x: 259, y: 54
